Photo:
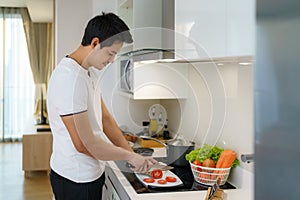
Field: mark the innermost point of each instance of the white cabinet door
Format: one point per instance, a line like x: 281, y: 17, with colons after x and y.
x: 200, y: 27
x: 211, y: 29
x: 140, y: 15
x: 240, y: 27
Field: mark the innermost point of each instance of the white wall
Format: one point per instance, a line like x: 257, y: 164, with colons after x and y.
x: 71, y: 17
x: 127, y: 112
x: 219, y: 109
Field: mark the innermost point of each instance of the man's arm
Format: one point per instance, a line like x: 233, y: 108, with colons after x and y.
x: 111, y: 129
x: 73, y: 132
x: 87, y: 142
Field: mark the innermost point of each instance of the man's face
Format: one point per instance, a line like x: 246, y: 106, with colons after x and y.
x: 100, y: 57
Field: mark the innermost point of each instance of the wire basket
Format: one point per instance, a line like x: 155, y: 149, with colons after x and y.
x: 208, y: 175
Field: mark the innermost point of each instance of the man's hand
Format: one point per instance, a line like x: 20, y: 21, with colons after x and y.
x: 141, y: 163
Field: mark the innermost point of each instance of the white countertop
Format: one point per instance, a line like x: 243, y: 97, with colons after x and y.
x: 242, y: 179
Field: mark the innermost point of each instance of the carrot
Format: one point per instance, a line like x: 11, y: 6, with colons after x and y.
x: 226, y: 159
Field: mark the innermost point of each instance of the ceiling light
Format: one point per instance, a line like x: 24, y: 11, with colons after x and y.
x: 245, y: 63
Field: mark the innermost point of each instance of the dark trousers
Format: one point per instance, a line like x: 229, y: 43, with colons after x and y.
x: 65, y: 189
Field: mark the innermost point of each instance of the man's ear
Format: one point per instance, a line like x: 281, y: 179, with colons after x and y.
x: 95, y: 41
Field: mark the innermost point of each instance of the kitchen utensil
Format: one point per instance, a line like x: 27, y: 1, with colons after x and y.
x: 156, y: 184
x: 165, y: 168
x: 144, y: 151
x: 214, y: 192
x: 160, y: 165
x: 176, y: 150
x: 176, y: 153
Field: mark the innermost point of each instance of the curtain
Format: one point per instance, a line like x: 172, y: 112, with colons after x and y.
x: 16, y: 85
x: 40, y: 47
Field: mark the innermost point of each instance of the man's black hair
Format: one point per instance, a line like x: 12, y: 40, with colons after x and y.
x: 108, y: 28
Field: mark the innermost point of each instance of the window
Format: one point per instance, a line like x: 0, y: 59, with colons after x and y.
x: 16, y: 86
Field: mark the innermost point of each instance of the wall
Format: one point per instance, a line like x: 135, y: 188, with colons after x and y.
x: 70, y: 22
x: 127, y: 112
x: 219, y: 109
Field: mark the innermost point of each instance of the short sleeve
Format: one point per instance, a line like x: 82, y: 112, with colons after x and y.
x: 72, y: 96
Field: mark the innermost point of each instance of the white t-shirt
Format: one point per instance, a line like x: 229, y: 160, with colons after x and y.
x: 72, y: 90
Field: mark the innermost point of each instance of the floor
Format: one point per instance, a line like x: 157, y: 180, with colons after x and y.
x: 13, y: 184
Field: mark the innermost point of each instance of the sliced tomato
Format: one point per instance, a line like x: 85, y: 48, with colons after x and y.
x: 148, y: 180
x: 156, y: 173
x: 170, y: 179
x: 162, y: 181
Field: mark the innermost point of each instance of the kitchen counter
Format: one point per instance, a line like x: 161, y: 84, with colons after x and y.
x: 240, y: 178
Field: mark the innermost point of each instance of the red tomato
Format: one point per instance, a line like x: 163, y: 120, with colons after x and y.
x: 156, y: 173
x: 162, y: 181
x: 170, y: 179
x: 197, y: 162
x: 148, y: 180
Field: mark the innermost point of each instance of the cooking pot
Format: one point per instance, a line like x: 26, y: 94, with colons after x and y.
x: 176, y: 150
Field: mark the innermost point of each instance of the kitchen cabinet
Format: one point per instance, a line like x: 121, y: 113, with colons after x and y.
x: 109, y: 191
x: 37, y: 149
x: 112, y: 189
x: 146, y: 19
x: 211, y: 29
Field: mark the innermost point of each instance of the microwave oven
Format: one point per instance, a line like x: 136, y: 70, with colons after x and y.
x: 126, y: 75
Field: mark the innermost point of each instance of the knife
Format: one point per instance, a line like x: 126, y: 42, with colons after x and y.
x: 160, y: 165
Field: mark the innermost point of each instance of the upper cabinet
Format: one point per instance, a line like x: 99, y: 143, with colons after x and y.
x: 210, y: 29
x: 149, y: 22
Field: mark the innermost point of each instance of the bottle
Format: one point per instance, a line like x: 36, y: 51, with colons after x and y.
x: 160, y: 126
x: 153, y: 124
x: 166, y: 133
x: 145, y: 128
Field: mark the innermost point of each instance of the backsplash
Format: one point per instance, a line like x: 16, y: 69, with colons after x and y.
x: 218, y: 110
x: 208, y: 116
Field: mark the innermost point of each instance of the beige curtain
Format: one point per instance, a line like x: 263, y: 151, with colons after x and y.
x: 39, y: 39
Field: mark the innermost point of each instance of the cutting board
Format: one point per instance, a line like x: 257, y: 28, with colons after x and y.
x: 155, y: 184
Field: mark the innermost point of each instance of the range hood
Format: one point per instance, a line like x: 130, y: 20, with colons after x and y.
x: 150, y: 54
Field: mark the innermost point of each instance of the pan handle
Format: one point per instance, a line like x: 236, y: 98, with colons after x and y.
x: 156, y: 140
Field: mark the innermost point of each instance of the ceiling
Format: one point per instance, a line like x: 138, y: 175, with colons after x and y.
x: 39, y: 10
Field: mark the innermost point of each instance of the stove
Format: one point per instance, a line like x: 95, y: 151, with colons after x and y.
x: 184, y: 173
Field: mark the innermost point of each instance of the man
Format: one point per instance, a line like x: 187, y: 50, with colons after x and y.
x: 79, y: 119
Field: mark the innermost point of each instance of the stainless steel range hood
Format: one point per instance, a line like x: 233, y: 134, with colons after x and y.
x: 148, y: 54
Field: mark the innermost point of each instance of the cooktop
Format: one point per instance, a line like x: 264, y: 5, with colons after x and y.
x: 184, y: 173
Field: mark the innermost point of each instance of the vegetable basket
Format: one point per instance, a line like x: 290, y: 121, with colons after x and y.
x: 208, y: 175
